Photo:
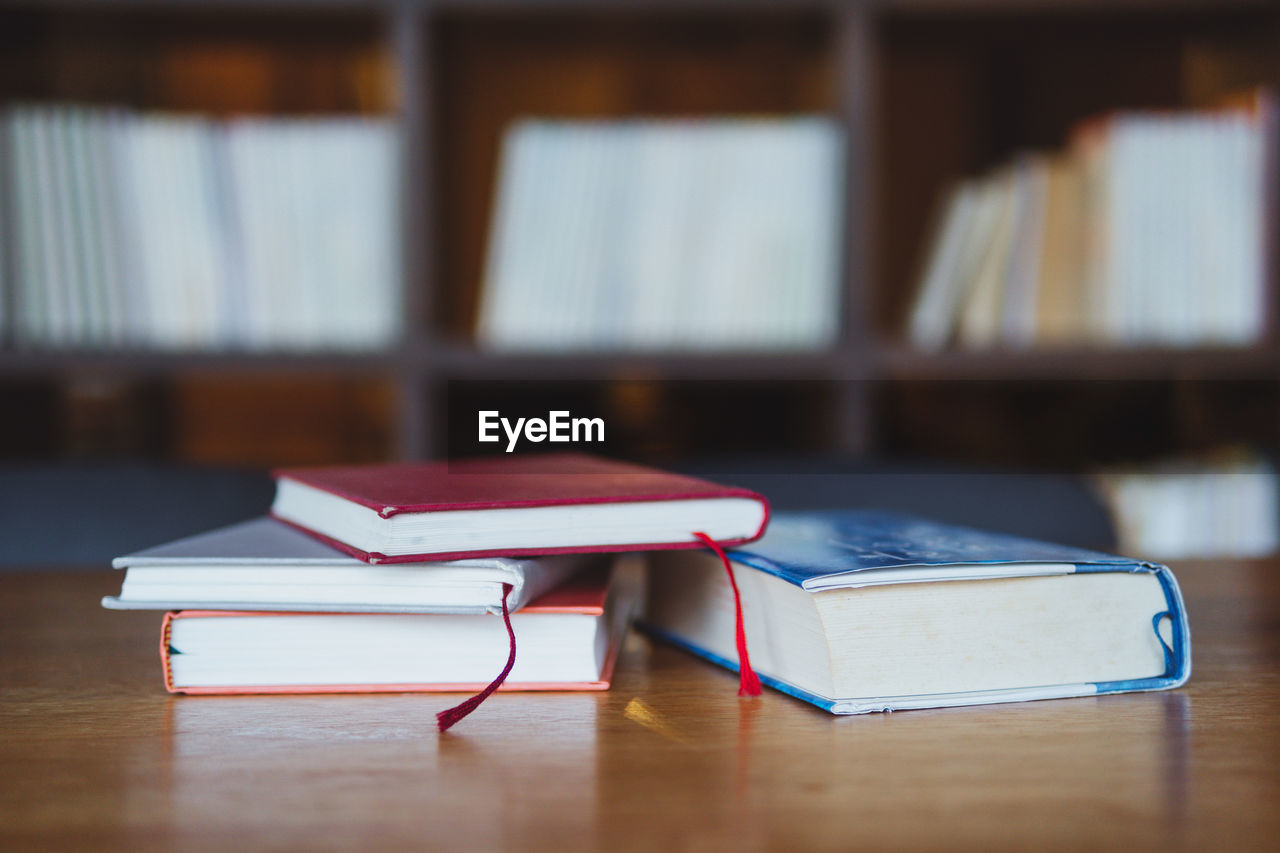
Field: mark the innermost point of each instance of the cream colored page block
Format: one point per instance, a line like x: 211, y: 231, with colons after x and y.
x: 994, y: 634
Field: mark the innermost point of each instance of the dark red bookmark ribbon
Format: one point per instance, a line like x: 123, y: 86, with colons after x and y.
x: 448, y: 717
x: 748, y: 681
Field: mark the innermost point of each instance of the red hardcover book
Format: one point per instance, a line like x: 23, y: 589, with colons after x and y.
x: 554, y: 504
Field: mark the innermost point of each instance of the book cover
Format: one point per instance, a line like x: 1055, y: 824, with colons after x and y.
x: 854, y: 555
x: 609, y: 595
x: 533, y: 482
x: 265, y: 565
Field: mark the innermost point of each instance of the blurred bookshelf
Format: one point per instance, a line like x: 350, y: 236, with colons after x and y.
x: 924, y: 93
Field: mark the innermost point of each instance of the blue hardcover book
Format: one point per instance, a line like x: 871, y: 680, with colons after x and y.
x: 867, y: 611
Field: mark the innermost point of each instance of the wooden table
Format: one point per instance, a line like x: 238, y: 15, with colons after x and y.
x: 95, y: 755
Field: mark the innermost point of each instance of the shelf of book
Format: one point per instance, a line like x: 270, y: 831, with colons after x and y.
x: 921, y: 89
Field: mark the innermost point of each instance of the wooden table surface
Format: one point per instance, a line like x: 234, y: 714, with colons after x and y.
x: 95, y: 755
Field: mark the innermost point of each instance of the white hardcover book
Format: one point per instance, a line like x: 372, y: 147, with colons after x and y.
x: 518, y: 295
x: 147, y: 168
x: 1090, y: 151
x: 763, y: 290
x: 333, y: 251
x: 379, y: 253
x: 663, y: 214
x: 695, y: 306
x: 979, y: 323
x: 1147, y: 186
x: 820, y: 239
x: 166, y: 231
x: 289, y: 316
x: 544, y: 286
x: 126, y: 229
x: 264, y: 564
x: 762, y: 293
x: 726, y: 279
x: 210, y: 305
x: 323, y: 251
x: 1114, y: 195
x: 1138, y: 155
x: 540, y: 305
x: 498, y: 292
x: 55, y: 283
x: 1186, y: 254
x: 279, y: 273
x: 104, y: 207
x: 343, y: 290
x: 1168, y: 285
x: 261, y: 233
x: 345, y: 241
x: 1239, y: 147
x: 72, y: 296
x: 1019, y: 311
x: 600, y: 156
x: 632, y: 300
x: 860, y: 612
x: 84, y: 254
x: 765, y: 215
x: 7, y: 236
x: 933, y: 318
x: 1217, y: 205
x: 233, y: 330
x: 249, y: 222
x: 29, y: 292
x: 573, y: 268
x: 314, y: 259
x: 988, y: 207
x: 292, y: 308
x: 300, y: 202
x: 773, y: 243
x: 615, y: 229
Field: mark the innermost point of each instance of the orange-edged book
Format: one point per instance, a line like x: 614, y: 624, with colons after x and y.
x: 568, y: 638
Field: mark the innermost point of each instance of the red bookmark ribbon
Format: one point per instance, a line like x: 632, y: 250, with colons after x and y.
x: 748, y: 681
x: 448, y: 717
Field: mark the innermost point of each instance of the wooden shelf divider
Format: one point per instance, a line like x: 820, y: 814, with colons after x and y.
x: 416, y: 418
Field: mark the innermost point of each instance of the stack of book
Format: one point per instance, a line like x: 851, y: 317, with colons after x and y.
x: 709, y: 234
x: 124, y: 229
x: 379, y: 578
x: 1150, y: 229
x: 344, y: 590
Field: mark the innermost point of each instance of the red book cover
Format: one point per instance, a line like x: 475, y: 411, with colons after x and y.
x: 509, y: 483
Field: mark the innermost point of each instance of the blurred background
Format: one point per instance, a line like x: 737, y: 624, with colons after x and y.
x: 1022, y: 254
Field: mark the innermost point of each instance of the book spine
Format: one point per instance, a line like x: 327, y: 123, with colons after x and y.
x: 166, y: 665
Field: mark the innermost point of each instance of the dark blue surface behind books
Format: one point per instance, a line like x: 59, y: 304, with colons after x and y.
x: 117, y: 508
x: 802, y: 546
x: 1053, y: 507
